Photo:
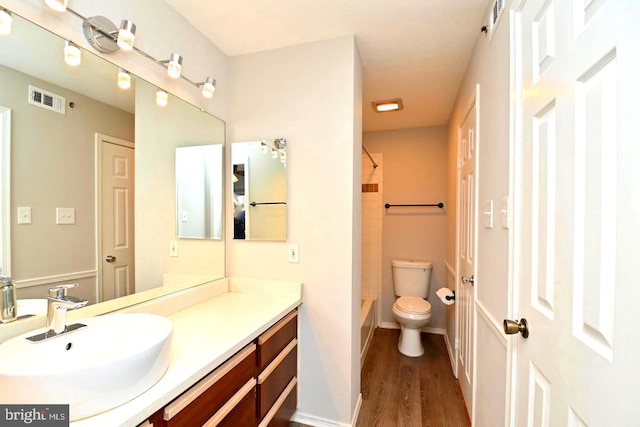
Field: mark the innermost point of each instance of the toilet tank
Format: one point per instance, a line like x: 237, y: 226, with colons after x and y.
x: 411, y: 278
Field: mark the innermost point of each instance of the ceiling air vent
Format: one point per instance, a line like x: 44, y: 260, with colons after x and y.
x: 46, y: 100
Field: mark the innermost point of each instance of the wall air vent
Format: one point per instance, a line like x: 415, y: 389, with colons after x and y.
x: 46, y: 100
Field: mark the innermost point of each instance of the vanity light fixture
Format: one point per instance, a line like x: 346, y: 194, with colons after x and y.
x: 126, y: 35
x: 105, y: 37
x: 174, y: 65
x: 263, y: 147
x: 57, y: 5
x: 124, y: 79
x: 5, y: 21
x: 283, y: 157
x: 162, y: 98
x: 388, y: 105
x: 72, y: 55
x: 208, y: 87
x: 274, y: 153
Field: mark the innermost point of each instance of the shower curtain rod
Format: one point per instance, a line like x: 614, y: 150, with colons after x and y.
x: 375, y: 165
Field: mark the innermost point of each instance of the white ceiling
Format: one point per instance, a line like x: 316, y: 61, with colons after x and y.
x: 416, y: 50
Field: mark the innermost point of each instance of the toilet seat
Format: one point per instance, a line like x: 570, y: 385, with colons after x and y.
x: 413, y: 305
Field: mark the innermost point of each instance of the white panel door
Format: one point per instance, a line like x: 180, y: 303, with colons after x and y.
x: 116, y: 224
x: 465, y: 297
x: 577, y: 213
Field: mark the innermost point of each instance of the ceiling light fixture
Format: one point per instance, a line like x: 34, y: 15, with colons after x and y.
x: 208, y: 87
x: 389, y: 105
x: 174, y: 65
x: 126, y: 35
x: 5, y: 21
x: 162, y: 98
x: 124, y: 79
x: 57, y: 5
x: 72, y: 55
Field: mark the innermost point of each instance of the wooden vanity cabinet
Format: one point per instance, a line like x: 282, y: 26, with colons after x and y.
x: 224, y: 397
x: 277, y: 372
x: 255, y: 387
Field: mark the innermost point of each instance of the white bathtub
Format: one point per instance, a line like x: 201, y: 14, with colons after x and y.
x: 367, y: 325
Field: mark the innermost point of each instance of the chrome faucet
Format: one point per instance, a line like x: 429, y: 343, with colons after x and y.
x: 9, y: 306
x: 58, y: 303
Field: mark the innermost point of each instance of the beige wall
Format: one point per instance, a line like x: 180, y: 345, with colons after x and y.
x: 414, y: 173
x: 159, y: 130
x: 310, y: 95
x: 53, y: 165
x: 490, y: 69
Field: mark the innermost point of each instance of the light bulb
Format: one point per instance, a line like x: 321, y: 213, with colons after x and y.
x: 174, y: 67
x: 274, y: 153
x: 5, y: 22
x: 162, y: 98
x: 72, y: 55
x: 57, y: 5
x: 126, y: 35
x: 208, y: 88
x: 263, y: 148
x: 283, y: 157
x: 124, y: 79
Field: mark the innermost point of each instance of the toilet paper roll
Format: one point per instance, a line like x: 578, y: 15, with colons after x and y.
x: 446, y: 295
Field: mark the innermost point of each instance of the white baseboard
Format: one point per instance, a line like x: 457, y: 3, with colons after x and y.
x: 452, y: 357
x: 428, y: 329
x: 312, y: 420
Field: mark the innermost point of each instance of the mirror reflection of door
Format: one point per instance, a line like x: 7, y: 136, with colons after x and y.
x: 116, y: 223
x: 239, y: 201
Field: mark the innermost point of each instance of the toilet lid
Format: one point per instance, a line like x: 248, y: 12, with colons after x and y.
x: 413, y: 305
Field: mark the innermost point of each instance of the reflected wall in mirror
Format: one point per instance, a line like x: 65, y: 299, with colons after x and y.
x: 259, y: 188
x: 198, y: 196
x: 53, y: 165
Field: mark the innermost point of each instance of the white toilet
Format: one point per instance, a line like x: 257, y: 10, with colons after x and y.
x: 411, y: 310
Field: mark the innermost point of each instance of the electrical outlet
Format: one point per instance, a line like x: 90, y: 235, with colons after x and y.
x: 293, y: 253
x: 173, y: 248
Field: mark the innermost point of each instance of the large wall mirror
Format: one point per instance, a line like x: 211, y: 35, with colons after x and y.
x: 259, y: 187
x: 92, y: 176
x: 198, y: 196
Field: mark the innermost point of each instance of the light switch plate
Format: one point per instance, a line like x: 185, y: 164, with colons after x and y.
x: 504, y: 212
x: 24, y: 215
x: 173, y: 248
x: 488, y: 214
x: 65, y: 216
x: 293, y: 253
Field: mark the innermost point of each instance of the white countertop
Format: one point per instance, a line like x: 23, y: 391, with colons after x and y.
x: 204, y: 336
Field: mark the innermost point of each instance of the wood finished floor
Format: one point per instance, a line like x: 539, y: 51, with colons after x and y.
x: 401, y: 391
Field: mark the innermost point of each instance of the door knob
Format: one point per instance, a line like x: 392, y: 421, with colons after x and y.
x: 469, y: 279
x: 513, y: 327
x: 110, y: 258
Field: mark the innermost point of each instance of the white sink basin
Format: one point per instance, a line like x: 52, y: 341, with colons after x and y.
x: 115, y: 358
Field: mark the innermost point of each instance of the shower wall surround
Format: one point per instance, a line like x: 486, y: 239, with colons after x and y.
x: 372, y: 210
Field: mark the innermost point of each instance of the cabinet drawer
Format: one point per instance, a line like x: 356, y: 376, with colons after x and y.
x: 273, y: 341
x: 240, y: 410
x: 203, y: 400
x: 273, y: 380
x: 282, y: 411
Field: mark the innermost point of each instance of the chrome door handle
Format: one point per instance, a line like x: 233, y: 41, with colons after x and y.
x: 469, y: 279
x: 513, y: 327
x: 110, y: 258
